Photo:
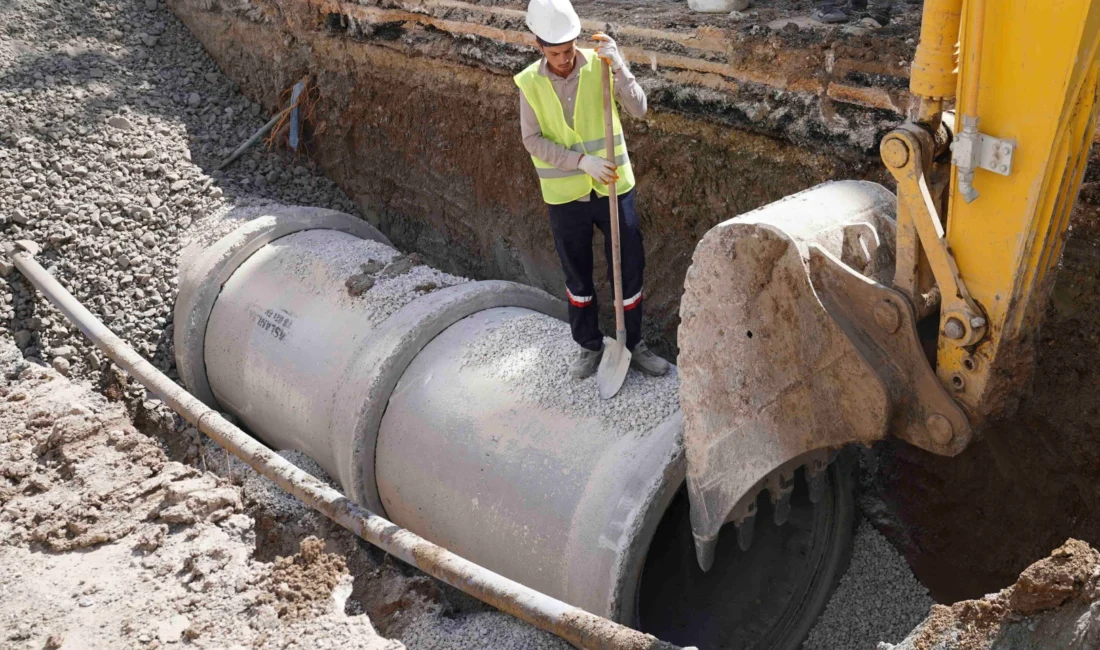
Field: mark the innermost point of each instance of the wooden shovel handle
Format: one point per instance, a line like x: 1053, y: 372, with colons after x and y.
x: 613, y: 201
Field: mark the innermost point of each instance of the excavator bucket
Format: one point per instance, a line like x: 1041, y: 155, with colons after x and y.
x: 792, y: 345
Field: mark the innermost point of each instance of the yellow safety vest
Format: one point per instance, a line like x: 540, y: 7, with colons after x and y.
x: 586, y: 136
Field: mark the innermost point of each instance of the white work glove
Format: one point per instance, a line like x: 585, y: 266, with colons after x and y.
x: 599, y: 169
x: 608, y: 51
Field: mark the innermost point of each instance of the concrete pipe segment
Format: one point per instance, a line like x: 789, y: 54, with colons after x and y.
x: 306, y: 325
x: 445, y: 405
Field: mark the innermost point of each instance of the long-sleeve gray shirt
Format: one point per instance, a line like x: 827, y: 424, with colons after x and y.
x: 630, y: 95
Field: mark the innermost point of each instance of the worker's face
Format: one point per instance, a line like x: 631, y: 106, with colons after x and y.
x: 560, y: 58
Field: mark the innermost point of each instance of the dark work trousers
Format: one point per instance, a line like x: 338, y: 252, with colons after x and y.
x: 572, y: 225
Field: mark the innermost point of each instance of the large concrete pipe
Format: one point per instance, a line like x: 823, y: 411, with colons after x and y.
x: 442, y: 404
x: 556, y: 501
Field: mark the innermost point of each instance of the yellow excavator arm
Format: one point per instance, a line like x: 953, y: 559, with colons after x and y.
x: 1027, y: 97
x: 844, y: 314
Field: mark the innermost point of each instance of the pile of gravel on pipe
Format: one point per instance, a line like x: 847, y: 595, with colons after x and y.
x: 1054, y: 604
x: 532, y: 354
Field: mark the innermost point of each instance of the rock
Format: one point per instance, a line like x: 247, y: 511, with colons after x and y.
x: 62, y: 365
x: 19, y: 217
x: 151, y: 539
x: 179, y: 185
x: 149, y: 40
x: 194, y: 100
x: 85, y: 601
x: 123, y: 261
x: 179, y: 491
x: 149, y: 240
x: 120, y: 122
x: 171, y: 630
x: 6, y: 268
x: 212, y: 77
x: 23, y: 338
x: 153, y: 200
x: 65, y: 352
x: 718, y: 6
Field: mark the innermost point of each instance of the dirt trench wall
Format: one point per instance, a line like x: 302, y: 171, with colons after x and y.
x: 422, y: 130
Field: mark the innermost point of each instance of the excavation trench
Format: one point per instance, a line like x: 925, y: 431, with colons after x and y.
x: 418, y: 123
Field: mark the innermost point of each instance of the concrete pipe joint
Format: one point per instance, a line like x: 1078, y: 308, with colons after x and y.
x: 444, y: 405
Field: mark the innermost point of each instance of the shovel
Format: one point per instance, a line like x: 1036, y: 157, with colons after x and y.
x: 616, y: 358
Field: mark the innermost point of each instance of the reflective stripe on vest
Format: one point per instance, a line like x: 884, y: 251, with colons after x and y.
x: 586, y: 136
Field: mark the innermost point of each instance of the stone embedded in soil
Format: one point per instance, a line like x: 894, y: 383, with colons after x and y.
x: 62, y: 365
x: 120, y: 123
x: 171, y: 630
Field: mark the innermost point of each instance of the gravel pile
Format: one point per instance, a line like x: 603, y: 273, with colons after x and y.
x: 272, y: 498
x: 532, y: 354
x: 477, y: 630
x: 878, y: 599
x: 111, y: 116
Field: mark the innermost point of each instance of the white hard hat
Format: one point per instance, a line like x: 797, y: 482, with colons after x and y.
x: 554, y: 21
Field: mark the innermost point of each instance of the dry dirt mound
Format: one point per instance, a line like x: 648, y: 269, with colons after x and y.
x: 1054, y: 604
x: 106, y: 543
x: 300, y: 585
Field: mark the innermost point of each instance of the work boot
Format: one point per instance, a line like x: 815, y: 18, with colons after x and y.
x: 586, y: 364
x: 647, y: 363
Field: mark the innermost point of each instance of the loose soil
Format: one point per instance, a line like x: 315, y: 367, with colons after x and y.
x: 1054, y: 604
x: 108, y: 543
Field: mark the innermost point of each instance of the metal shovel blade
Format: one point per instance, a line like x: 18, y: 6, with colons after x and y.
x: 613, y: 366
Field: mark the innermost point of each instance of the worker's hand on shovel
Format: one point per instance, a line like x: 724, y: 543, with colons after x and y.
x: 608, y: 51
x: 599, y: 168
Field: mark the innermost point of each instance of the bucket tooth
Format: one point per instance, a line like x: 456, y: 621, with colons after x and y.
x: 704, y: 551
x: 816, y: 483
x: 780, y: 486
x: 782, y: 509
x: 745, y: 530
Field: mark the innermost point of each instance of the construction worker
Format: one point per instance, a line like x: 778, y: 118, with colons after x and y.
x: 562, y: 123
